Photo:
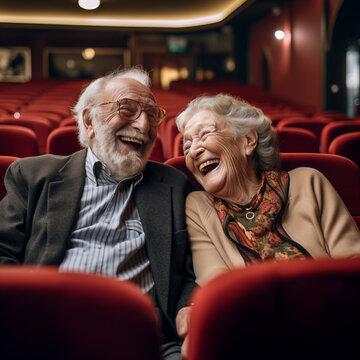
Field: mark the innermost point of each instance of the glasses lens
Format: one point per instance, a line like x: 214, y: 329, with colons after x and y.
x: 129, y: 109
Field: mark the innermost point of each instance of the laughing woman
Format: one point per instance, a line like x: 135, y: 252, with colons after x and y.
x: 252, y: 210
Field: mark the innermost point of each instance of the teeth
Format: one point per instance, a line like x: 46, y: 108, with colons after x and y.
x: 207, y: 163
x: 131, y: 139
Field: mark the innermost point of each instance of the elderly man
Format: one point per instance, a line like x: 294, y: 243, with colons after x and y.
x: 106, y: 209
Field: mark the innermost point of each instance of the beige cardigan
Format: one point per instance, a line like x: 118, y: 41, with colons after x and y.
x: 315, y: 217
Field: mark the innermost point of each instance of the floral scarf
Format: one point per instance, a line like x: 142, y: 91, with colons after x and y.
x: 256, y: 227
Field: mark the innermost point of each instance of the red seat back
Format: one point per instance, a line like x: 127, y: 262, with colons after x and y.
x: 71, y: 316
x: 347, y: 145
x: 334, y: 129
x: 270, y: 308
x: 18, y: 141
x: 5, y: 161
x: 314, y: 125
x: 63, y: 141
x: 297, y: 140
x: 157, y: 151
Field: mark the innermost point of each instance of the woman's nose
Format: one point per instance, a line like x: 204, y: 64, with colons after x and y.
x: 196, y: 150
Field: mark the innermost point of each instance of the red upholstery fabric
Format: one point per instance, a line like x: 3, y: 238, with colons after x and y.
x: 347, y: 145
x: 40, y: 126
x: 63, y: 111
x: 63, y: 141
x: 179, y: 163
x: 51, y: 315
x: 5, y: 161
x: 18, y: 141
x: 343, y: 174
x: 334, y: 129
x: 291, y: 310
x: 171, y: 131
x: 157, y: 152
x: 314, y: 125
x: 178, y: 145
x: 297, y: 140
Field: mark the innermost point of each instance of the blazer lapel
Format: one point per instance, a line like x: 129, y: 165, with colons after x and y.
x: 64, y: 194
x: 153, y: 201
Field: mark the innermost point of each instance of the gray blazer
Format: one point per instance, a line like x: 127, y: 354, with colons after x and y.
x: 41, y: 208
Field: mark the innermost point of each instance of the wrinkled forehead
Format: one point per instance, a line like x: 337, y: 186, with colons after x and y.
x: 204, y: 119
x: 128, y: 88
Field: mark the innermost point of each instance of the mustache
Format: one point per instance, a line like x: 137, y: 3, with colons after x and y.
x: 131, y: 132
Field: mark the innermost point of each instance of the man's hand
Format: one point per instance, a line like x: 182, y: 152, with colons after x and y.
x: 182, y: 326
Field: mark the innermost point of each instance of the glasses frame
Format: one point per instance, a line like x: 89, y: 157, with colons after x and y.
x: 143, y: 107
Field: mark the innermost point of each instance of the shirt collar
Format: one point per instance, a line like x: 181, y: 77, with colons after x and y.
x: 99, y: 174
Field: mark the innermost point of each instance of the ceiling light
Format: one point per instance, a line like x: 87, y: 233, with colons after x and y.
x: 279, y: 34
x: 89, y: 4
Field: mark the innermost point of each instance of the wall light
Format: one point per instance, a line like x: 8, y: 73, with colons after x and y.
x: 279, y: 34
x: 89, y: 4
x: 88, y: 53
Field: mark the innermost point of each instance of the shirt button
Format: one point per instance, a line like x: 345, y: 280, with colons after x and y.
x: 98, y: 246
x: 107, y: 221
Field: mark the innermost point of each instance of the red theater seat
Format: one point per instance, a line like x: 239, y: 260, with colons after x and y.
x: 347, y: 145
x: 40, y: 126
x: 18, y: 141
x: 63, y: 141
x: 297, y: 140
x: 52, y: 315
x: 314, y: 125
x: 157, y: 151
x: 334, y: 129
x: 5, y: 161
x: 297, y: 309
x: 343, y: 174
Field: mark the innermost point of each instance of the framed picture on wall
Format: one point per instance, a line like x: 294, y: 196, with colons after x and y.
x: 15, y: 64
x: 83, y: 63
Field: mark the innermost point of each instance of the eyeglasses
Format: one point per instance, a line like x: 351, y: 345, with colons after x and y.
x: 130, y: 110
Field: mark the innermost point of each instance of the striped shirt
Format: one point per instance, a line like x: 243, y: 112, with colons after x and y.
x: 108, y: 238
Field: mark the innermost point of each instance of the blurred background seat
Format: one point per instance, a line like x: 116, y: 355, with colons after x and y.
x: 18, y: 141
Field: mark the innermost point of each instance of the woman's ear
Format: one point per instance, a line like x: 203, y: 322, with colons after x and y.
x: 251, y: 142
x: 88, y: 123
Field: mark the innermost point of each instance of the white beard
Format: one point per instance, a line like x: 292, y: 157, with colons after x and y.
x: 105, y: 148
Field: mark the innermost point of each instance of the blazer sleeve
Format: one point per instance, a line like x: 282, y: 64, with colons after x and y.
x: 13, y: 210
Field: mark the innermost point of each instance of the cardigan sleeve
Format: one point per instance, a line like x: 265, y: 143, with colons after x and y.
x: 206, y: 258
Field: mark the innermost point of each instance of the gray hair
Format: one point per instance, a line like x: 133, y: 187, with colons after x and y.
x: 90, y: 96
x: 242, y: 119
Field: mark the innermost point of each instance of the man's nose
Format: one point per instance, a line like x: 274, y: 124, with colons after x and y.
x: 142, y: 123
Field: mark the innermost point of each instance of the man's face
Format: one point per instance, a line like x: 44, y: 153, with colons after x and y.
x: 123, y: 145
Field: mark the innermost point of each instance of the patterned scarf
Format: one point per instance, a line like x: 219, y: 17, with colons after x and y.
x: 256, y: 227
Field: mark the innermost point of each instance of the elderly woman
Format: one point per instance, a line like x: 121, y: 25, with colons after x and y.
x: 252, y: 210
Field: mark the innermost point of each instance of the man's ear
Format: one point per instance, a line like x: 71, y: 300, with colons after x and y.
x: 88, y: 123
x: 251, y: 142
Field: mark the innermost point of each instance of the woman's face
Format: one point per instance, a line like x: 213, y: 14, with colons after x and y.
x: 211, y: 153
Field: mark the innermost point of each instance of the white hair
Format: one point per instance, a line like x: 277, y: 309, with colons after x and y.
x: 90, y: 96
x: 242, y: 119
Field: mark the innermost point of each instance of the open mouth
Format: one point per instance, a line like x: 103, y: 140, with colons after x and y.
x: 208, y: 166
x: 136, y: 143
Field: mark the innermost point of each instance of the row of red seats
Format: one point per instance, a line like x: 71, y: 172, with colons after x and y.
x: 315, y: 302
x: 283, y: 114
x: 343, y: 174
